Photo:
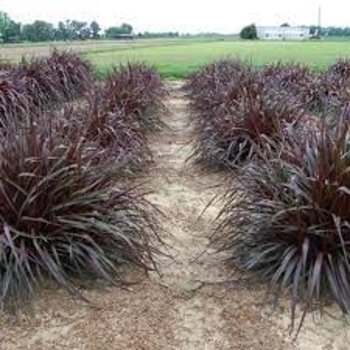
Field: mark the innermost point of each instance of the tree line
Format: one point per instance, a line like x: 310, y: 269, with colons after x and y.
x: 12, y: 31
x: 331, y: 31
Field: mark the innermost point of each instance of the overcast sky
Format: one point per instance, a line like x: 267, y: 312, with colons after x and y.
x: 226, y: 16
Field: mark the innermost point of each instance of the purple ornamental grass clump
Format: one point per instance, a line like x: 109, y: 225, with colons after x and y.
x: 286, y: 221
x: 135, y: 91
x: 232, y: 112
x: 65, y: 216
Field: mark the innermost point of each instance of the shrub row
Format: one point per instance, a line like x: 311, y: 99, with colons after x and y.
x: 321, y: 94
x: 135, y: 91
x: 117, y: 115
x: 234, y: 104
x: 286, y: 218
x: 41, y: 83
x: 67, y: 214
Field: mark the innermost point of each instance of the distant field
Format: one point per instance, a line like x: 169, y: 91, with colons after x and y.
x: 177, y: 61
x: 176, y: 58
x: 14, y: 52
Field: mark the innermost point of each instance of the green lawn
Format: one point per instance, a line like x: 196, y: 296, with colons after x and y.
x: 176, y: 61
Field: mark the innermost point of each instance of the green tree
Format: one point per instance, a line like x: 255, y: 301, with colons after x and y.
x: 126, y: 28
x: 249, y: 32
x: 61, y: 32
x: 38, y: 31
x: 79, y: 30
x: 95, y: 29
x: 72, y: 30
x: 12, y: 32
x: 5, y: 22
x: 114, y: 32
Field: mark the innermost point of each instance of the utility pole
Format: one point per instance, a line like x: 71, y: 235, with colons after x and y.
x: 319, y: 21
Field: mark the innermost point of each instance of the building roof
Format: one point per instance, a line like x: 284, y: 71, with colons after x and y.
x: 284, y: 29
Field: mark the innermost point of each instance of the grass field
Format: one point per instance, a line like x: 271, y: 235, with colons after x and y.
x: 176, y: 61
x: 177, y: 57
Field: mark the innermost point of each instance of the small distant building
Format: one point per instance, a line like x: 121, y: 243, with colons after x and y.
x: 283, y: 33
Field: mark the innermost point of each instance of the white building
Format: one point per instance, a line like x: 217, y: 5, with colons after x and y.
x: 283, y: 33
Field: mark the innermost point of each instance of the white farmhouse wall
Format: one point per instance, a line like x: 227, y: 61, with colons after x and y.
x: 283, y: 33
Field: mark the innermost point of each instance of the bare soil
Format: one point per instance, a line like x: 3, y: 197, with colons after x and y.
x: 188, y: 307
x: 15, y: 52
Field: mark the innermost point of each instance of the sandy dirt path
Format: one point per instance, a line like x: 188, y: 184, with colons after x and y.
x: 186, y: 308
x: 201, y: 313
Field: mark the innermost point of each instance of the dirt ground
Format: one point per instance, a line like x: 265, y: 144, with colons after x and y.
x: 187, y: 307
x: 14, y: 52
